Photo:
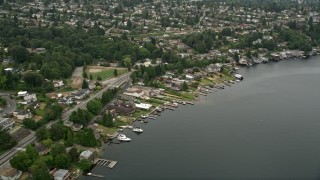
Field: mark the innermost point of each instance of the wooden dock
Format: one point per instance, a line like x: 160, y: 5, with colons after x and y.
x: 105, y: 162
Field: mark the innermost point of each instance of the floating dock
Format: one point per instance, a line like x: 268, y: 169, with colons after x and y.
x: 105, y: 162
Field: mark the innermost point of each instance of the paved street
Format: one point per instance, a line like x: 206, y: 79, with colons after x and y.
x: 11, y: 104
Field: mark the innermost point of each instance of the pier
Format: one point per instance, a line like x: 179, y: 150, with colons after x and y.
x: 105, y: 162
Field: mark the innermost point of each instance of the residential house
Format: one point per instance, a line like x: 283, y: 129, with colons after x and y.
x: 143, y: 106
x: 81, y: 94
x: 30, y: 97
x: 61, y: 174
x: 22, y: 114
x: 42, y: 149
x: 22, y: 93
x: 213, y: 68
x: 120, y: 109
x: 10, y: 174
x: 33, y: 105
x: 87, y: 155
x: 138, y: 93
x: 76, y: 127
x: 6, y: 124
x: 58, y: 83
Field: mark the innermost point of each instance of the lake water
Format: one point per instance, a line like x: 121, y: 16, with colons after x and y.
x: 266, y: 127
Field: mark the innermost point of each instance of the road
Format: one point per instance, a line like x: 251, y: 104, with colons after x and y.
x: 114, y: 82
x: 4, y: 158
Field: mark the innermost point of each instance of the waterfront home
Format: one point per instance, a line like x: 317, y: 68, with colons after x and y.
x: 123, y: 110
x: 138, y: 93
x: 6, y: 124
x: 61, y: 174
x: 143, y: 106
x: 213, y: 68
x: 87, y: 154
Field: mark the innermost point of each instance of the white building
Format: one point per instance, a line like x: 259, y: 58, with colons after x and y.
x: 143, y: 106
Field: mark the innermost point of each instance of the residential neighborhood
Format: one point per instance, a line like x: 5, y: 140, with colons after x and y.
x: 75, y: 74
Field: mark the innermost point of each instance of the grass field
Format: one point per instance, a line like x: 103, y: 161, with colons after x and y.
x: 106, y: 73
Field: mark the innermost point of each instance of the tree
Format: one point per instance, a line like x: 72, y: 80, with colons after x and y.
x: 115, y: 72
x: 21, y: 161
x: 310, y: 23
x: 19, y: 53
x: 127, y: 62
x: 84, y: 165
x: 42, y: 133
x: 57, y: 132
x: 85, y: 84
x: 62, y: 161
x: 99, y: 78
x: 69, y: 139
x: 33, y: 79
x: 41, y: 173
x: 184, y: 86
x: 107, y: 120
x: 6, y: 141
x: 85, y: 75
x: 57, y: 149
x: 91, y: 78
x: 94, y: 106
x: 30, y: 124
x: 74, y: 154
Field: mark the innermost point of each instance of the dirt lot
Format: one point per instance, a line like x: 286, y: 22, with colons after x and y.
x: 77, y: 78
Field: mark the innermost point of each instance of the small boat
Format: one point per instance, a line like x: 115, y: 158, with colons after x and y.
x: 143, y: 116
x: 137, y: 130
x: 122, y: 137
x: 184, y: 103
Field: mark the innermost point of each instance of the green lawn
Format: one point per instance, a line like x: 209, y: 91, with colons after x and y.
x: 107, y: 74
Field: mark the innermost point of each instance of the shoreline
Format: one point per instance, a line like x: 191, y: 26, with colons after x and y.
x: 221, y: 86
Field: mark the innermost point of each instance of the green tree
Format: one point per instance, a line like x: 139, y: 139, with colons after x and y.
x: 115, y: 72
x: 21, y: 161
x: 84, y: 165
x: 57, y: 149
x: 74, y: 154
x: 43, y: 133
x: 107, y: 120
x: 62, y: 161
x: 33, y: 79
x: 57, y: 132
x: 184, y: 86
x: 19, y: 53
x: 85, y: 84
x: 94, y: 106
x: 69, y: 139
x: 6, y: 141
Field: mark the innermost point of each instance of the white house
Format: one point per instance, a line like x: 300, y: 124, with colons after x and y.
x: 58, y: 83
x: 30, y: 97
x: 86, y: 155
x: 22, y: 93
x: 135, y: 93
x: 6, y: 124
x: 61, y: 174
x: 143, y: 106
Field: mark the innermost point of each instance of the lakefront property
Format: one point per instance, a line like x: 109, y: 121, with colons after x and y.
x: 77, y: 76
